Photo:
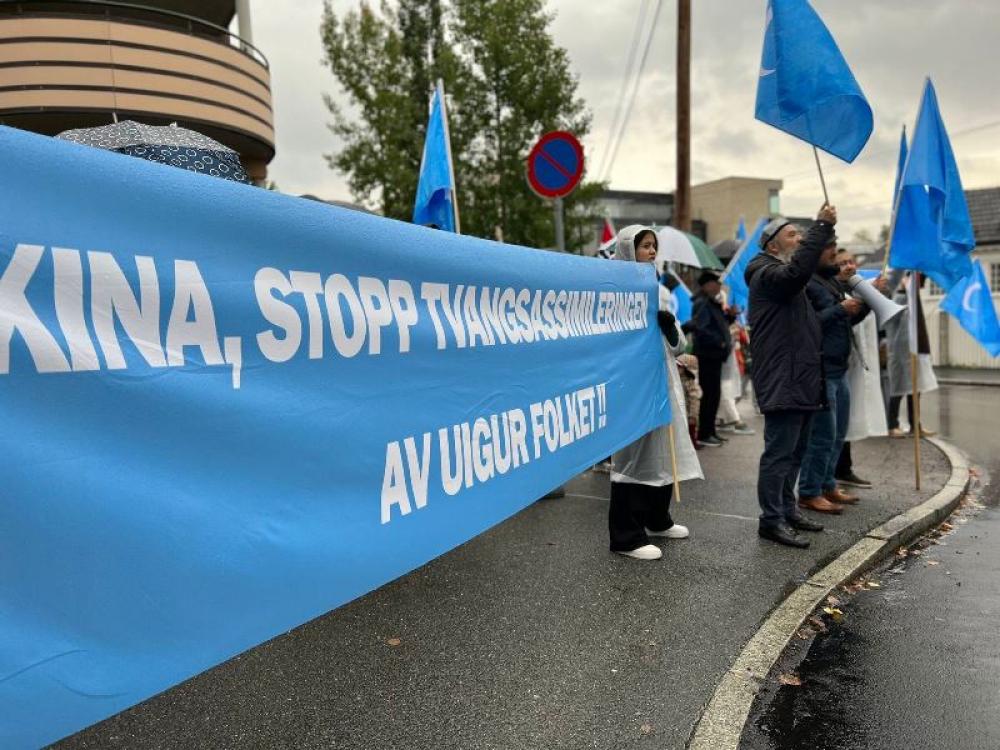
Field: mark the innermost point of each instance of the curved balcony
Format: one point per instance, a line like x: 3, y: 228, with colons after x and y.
x: 77, y: 63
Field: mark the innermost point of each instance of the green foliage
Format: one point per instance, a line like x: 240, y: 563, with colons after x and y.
x: 507, y: 83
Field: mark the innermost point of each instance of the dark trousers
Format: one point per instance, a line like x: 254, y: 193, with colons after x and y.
x: 710, y: 380
x: 845, y: 465
x: 894, y: 402
x: 786, y: 434
x: 635, y: 508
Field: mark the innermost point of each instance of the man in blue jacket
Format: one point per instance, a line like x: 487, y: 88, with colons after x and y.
x: 837, y: 314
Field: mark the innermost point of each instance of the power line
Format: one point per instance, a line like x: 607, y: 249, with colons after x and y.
x: 627, y: 77
x: 635, y: 88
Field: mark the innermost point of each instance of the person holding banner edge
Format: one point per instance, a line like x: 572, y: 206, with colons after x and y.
x: 787, y: 373
x: 641, y: 473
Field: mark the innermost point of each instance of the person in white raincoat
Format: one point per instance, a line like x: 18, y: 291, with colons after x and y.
x: 897, y: 335
x: 641, y: 476
x: 865, y: 382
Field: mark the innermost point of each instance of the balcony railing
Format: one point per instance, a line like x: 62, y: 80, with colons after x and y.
x: 133, y: 13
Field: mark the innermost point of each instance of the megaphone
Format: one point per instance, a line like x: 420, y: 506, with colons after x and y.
x: 883, y: 307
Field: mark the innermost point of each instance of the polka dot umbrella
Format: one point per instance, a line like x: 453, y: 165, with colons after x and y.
x: 166, y: 144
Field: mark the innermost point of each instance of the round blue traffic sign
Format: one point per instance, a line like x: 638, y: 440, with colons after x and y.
x: 555, y: 164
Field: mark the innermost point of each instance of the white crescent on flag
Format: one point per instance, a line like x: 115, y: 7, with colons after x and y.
x: 967, y: 297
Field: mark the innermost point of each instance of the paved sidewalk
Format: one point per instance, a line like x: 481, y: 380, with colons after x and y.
x: 530, y: 636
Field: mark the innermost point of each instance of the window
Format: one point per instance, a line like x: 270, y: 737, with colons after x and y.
x: 995, y: 277
x: 934, y: 290
x: 773, y: 204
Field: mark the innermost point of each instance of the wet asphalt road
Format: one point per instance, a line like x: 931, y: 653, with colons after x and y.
x: 916, y: 663
x: 530, y: 636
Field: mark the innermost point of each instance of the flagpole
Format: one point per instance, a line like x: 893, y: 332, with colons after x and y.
x: 822, y: 181
x: 451, y: 163
x: 914, y: 336
x: 673, y: 461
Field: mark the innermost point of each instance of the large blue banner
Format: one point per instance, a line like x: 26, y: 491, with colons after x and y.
x: 227, y: 411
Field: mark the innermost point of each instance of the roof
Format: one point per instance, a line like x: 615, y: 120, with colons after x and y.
x: 984, y: 210
x: 640, y: 196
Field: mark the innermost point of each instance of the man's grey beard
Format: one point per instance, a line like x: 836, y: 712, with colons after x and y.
x: 784, y: 255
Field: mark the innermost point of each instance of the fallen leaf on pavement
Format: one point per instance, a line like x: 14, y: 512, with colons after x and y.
x: 646, y: 729
x: 790, y: 678
x: 394, y: 642
x: 834, y: 613
x: 874, y: 585
x: 833, y: 601
x: 818, y: 624
x: 933, y: 562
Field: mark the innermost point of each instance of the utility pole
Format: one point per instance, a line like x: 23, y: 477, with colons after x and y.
x: 682, y: 194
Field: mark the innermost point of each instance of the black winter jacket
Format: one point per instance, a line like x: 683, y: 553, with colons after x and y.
x: 826, y: 294
x: 711, y: 329
x: 785, y: 337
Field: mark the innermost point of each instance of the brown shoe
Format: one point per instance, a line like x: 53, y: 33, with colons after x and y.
x: 839, y: 496
x: 820, y: 504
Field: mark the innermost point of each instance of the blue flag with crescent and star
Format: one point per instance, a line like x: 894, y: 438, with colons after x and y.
x: 805, y: 87
x: 971, y: 304
x: 932, y: 232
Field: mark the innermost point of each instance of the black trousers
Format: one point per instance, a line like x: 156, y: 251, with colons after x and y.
x: 894, y: 402
x: 845, y: 465
x: 635, y: 508
x: 786, y: 435
x: 710, y: 380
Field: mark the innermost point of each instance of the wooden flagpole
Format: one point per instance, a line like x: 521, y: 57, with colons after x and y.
x: 673, y: 460
x: 914, y: 336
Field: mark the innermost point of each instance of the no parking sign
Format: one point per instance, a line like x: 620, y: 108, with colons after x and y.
x: 555, y: 164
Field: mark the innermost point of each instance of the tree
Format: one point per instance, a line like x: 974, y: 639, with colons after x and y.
x: 863, y: 236
x: 507, y: 83
x: 386, y: 62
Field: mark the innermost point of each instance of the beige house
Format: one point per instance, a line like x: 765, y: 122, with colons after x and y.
x: 720, y: 204
x: 81, y: 64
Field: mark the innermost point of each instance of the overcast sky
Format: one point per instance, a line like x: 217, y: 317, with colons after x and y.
x: 891, y: 45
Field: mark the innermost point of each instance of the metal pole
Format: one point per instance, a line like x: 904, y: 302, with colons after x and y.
x: 682, y: 193
x: 822, y: 182
x: 560, y: 232
x: 245, y: 28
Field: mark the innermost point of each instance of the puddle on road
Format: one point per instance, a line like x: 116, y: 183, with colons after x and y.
x: 811, y: 713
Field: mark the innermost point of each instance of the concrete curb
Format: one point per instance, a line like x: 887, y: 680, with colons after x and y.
x: 720, y: 726
x: 965, y: 381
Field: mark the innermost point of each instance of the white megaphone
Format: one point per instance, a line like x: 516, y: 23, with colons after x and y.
x: 883, y: 307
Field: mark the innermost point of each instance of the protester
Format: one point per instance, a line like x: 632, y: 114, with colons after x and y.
x: 897, y: 333
x: 787, y: 369
x: 729, y: 420
x: 837, y: 314
x: 687, y: 368
x: 864, y: 380
x: 641, y: 473
x: 712, y: 344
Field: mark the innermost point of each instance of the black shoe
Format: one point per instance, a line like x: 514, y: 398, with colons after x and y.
x: 782, y: 534
x: 853, y: 480
x: 801, y: 523
x: 711, y: 441
x: 717, y: 436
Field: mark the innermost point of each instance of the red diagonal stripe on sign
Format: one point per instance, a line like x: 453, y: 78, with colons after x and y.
x: 556, y: 165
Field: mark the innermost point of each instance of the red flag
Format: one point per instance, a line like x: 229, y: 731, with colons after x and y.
x: 609, y: 232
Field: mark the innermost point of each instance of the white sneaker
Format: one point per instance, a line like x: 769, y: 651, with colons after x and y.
x: 649, y: 552
x: 674, y: 532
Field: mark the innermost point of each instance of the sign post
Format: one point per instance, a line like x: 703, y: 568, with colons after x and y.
x: 555, y: 166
